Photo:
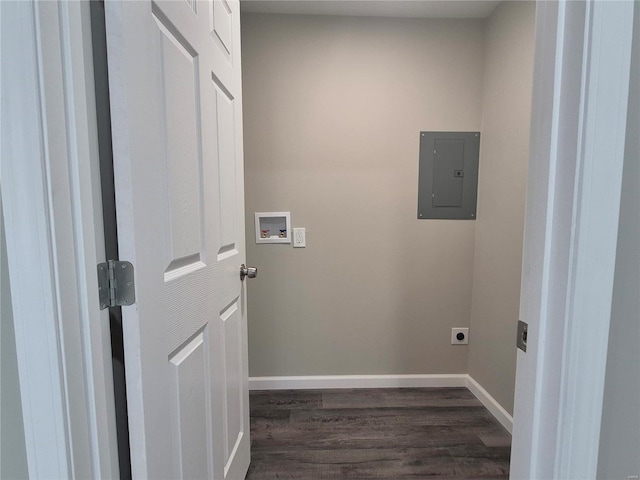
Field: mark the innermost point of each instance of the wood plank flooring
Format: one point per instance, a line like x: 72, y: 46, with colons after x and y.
x: 375, y: 433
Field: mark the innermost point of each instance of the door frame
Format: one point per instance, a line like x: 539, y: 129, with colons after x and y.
x: 49, y: 172
x: 51, y: 201
x: 578, y: 130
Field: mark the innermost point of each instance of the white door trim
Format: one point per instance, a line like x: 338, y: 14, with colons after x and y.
x: 595, y: 237
x: 583, y: 52
x: 52, y: 207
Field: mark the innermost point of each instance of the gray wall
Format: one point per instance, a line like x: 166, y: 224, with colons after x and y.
x: 620, y: 436
x: 333, y: 107
x: 13, y: 454
x: 504, y: 157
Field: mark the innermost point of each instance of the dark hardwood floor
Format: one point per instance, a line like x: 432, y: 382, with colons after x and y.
x: 375, y: 433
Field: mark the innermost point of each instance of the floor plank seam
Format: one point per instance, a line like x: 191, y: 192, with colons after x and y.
x: 375, y: 433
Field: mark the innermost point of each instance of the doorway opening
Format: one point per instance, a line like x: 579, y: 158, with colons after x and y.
x: 334, y: 106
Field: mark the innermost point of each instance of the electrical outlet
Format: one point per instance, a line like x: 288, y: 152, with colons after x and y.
x: 459, y: 336
x: 299, y: 238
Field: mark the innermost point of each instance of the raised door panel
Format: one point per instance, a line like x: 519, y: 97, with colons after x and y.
x: 234, y: 399
x: 182, y: 132
x: 226, y: 169
x: 190, y: 374
x: 185, y: 277
x: 221, y: 25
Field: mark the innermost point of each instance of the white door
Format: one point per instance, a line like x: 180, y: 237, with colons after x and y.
x: 175, y: 86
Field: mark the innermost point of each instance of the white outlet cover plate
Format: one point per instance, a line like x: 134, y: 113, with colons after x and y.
x: 299, y: 238
x: 455, y: 331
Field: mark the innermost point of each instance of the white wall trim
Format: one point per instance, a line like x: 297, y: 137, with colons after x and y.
x: 386, y: 381
x: 25, y: 207
x: 51, y: 204
x: 581, y: 81
x: 601, y: 145
x: 356, y: 381
x: 497, y: 410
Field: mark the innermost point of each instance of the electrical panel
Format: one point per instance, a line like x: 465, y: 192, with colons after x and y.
x: 448, y: 177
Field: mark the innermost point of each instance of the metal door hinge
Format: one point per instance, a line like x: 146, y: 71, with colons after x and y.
x: 116, y: 286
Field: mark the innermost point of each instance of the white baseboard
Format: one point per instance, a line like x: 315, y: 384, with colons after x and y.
x: 385, y: 381
x: 490, y: 403
x: 356, y: 381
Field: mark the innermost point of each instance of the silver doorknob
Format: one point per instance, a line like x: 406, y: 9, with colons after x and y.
x: 245, y: 271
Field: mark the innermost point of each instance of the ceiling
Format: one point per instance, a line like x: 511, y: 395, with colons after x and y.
x: 375, y: 8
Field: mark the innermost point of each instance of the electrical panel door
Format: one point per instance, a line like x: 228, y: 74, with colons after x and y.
x: 448, y: 178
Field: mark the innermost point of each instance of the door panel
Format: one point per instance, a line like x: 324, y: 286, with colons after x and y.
x: 448, y: 158
x: 227, y: 169
x: 222, y: 25
x: 233, y: 371
x: 192, y: 406
x: 177, y: 132
x: 184, y: 160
